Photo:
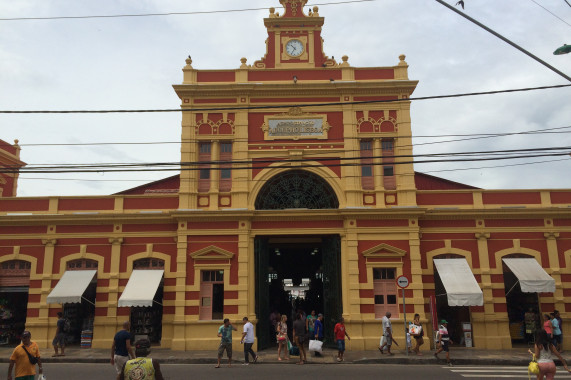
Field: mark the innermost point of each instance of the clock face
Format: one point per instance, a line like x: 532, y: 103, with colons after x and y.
x: 294, y: 48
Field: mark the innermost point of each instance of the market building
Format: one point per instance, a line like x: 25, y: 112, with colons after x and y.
x: 297, y: 188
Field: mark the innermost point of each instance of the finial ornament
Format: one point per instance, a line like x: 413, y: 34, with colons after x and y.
x: 243, y: 60
x: 402, y: 61
x: 188, y: 61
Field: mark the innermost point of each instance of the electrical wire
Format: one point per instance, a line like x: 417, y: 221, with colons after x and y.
x: 281, y: 106
x: 547, y: 10
x: 168, y: 13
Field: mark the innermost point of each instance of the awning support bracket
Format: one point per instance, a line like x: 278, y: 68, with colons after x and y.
x: 517, y: 282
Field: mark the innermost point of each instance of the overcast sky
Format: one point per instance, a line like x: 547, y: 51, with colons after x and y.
x: 131, y: 63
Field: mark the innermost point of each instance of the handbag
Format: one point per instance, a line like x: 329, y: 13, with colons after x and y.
x: 294, y: 351
x: 33, y: 360
x: 289, y: 345
x: 281, y: 337
x: 316, y: 345
x: 533, y: 367
x: 414, y: 329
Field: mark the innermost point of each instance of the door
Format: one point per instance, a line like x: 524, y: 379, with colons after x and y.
x: 332, y: 303
x: 262, y: 293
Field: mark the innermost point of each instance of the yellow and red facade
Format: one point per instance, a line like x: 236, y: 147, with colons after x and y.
x: 203, y: 220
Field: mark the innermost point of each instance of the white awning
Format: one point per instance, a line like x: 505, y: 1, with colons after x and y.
x: 141, y: 288
x: 71, y: 286
x: 532, y: 277
x: 461, y: 287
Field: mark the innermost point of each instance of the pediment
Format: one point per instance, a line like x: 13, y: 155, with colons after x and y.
x: 212, y: 253
x: 384, y: 250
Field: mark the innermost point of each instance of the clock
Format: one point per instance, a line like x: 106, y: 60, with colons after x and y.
x: 294, y: 48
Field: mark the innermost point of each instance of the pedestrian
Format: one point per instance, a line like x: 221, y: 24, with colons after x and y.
x: 530, y: 319
x: 24, y: 357
x: 59, y: 338
x: 387, y: 338
x: 418, y: 334
x: 121, y: 349
x: 225, y: 334
x: 443, y: 338
x: 318, y: 330
x: 141, y: 367
x: 558, y: 317
x: 547, y: 326
x: 408, y: 341
x: 248, y: 340
x: 340, y: 334
x: 282, y: 338
x: 310, y: 324
x: 556, y: 332
x: 543, y: 351
x: 299, y: 334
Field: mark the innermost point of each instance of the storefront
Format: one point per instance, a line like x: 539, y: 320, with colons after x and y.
x: 14, y: 287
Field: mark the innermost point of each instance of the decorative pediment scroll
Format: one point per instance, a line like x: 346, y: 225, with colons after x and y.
x: 212, y: 253
x: 295, y: 125
x: 384, y: 250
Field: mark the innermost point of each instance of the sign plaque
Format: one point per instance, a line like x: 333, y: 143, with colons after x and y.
x: 295, y: 125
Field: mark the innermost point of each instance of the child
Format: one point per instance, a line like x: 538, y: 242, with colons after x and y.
x: 340, y: 334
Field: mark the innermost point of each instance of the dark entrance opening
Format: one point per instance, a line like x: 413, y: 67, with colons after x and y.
x: 297, y: 272
x: 456, y: 316
x: 523, y: 308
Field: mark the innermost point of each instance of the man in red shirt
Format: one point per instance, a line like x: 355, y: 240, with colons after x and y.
x: 340, y: 334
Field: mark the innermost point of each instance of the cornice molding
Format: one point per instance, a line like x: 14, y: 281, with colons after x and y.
x: 212, y: 253
x: 384, y: 250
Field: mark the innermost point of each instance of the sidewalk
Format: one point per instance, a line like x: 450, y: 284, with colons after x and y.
x: 459, y: 356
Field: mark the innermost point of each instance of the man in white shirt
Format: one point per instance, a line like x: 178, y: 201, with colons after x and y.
x: 248, y: 340
x: 387, y: 338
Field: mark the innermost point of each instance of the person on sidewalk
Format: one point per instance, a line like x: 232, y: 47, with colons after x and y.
x: 444, y: 339
x: 340, y: 334
x: 22, y: 358
x: 59, y: 337
x: 543, y: 351
x: 299, y: 334
x: 282, y: 338
x: 556, y: 332
x: 121, y: 348
x: 387, y: 337
x: 558, y: 317
x: 248, y: 341
x: 141, y: 367
x: 418, y: 337
x: 310, y: 324
x: 318, y: 330
x: 225, y: 334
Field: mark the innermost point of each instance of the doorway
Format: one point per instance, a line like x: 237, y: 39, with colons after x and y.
x: 297, y: 272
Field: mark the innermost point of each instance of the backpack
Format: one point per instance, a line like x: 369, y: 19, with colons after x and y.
x: 66, y: 325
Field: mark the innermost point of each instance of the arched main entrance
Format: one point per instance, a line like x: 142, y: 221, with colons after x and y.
x: 296, y: 189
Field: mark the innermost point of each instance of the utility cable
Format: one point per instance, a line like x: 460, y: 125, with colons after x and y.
x: 504, y: 39
x: 281, y: 106
x: 547, y: 10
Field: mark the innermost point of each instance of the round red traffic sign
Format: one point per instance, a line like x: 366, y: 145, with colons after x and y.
x: 403, y: 282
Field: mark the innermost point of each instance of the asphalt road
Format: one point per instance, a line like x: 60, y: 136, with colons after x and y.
x: 291, y: 371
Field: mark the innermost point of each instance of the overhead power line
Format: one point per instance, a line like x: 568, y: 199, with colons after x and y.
x: 193, y: 13
x: 279, y: 106
x: 505, y: 39
x: 547, y: 10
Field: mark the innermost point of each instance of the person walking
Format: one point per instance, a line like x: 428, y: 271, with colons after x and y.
x: 444, y: 339
x: 530, y: 319
x: 59, y: 337
x: 556, y: 332
x: 544, y: 351
x: 281, y: 332
x: 318, y: 330
x: 225, y: 335
x: 121, y: 348
x: 24, y: 358
x: 340, y: 334
x: 547, y: 326
x: 558, y: 317
x: 248, y: 341
x: 418, y: 335
x: 310, y: 324
x: 299, y: 334
x: 387, y: 338
x: 141, y: 367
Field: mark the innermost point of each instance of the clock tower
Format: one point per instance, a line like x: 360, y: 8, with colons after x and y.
x: 294, y: 38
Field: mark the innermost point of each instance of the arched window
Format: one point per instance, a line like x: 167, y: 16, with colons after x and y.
x: 149, y: 264
x: 296, y: 189
x: 15, y: 273
x: 81, y: 264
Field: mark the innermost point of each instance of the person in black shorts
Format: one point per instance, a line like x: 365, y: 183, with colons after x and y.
x: 444, y: 340
x: 418, y: 337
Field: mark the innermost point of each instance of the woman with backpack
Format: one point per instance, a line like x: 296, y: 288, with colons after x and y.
x: 59, y: 338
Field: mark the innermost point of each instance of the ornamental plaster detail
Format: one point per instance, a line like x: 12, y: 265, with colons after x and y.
x: 384, y: 250
x: 212, y: 253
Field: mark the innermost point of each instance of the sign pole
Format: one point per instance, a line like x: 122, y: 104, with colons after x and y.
x: 403, y: 282
x: 404, y: 312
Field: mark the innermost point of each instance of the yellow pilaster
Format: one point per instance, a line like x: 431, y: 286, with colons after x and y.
x: 551, y: 240
x: 178, y: 341
x: 41, y: 326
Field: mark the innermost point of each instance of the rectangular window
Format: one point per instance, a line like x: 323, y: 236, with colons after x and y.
x: 204, y: 157
x: 366, y: 171
x: 211, y: 295
x: 388, y: 171
x: 225, y: 173
x: 205, y: 147
x: 367, y: 181
x: 366, y: 145
x: 387, y: 145
x: 225, y: 159
x: 204, y: 173
x: 385, y: 292
x: 225, y: 147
